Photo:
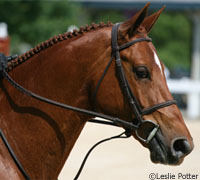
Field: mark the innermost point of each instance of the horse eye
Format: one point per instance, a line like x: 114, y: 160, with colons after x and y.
x: 142, y: 73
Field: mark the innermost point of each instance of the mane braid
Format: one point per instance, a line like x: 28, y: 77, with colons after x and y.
x: 53, y: 40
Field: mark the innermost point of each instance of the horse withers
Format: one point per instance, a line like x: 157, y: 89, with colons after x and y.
x: 67, y: 69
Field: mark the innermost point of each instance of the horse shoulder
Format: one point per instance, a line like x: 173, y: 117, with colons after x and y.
x: 8, y: 169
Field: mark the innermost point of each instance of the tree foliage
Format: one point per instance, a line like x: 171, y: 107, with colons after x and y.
x: 35, y: 21
x: 172, y: 36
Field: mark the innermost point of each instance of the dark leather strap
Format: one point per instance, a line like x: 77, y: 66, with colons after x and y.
x: 99, y: 82
x: 115, y: 120
x: 3, y: 62
x: 125, y: 46
x: 120, y: 71
x: 157, y: 106
x: 124, y: 84
x: 20, y: 167
x: 94, y: 146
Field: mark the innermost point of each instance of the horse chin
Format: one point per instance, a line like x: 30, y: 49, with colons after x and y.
x: 160, y: 153
x: 157, y: 152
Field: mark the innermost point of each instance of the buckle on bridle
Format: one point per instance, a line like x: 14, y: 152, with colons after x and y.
x: 4, y: 61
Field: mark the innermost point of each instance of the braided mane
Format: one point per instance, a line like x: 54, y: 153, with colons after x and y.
x: 53, y: 40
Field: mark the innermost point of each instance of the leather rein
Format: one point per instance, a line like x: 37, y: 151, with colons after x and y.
x: 108, y: 120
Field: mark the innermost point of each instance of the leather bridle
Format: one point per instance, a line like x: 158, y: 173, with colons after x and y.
x: 127, y: 92
x: 109, y: 120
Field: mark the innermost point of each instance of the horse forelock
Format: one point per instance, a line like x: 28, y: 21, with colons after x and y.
x: 53, y: 40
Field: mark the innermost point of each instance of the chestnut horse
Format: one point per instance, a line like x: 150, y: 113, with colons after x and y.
x: 67, y: 68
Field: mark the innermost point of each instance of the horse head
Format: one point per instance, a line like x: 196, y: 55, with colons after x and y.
x: 144, y: 72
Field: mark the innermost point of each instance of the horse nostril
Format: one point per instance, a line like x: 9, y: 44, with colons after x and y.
x: 181, y: 146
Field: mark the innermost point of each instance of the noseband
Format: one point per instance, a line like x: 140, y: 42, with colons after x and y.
x: 141, y: 126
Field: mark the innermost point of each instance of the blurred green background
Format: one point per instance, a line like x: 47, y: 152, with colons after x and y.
x: 31, y: 22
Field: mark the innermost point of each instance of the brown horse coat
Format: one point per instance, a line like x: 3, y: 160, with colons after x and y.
x: 66, y: 68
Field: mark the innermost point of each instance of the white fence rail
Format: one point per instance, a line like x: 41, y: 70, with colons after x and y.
x: 192, y: 89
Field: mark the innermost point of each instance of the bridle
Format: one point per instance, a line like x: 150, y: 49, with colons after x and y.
x: 109, y: 120
x: 127, y: 92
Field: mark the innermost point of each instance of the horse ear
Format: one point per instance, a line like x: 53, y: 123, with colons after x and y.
x: 129, y: 27
x: 151, y: 20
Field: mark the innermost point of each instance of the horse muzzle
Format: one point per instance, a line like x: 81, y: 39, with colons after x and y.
x: 172, y: 154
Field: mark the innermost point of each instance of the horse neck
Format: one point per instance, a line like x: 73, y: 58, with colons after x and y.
x: 42, y: 135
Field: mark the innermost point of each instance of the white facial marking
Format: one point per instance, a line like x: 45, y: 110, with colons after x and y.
x: 157, y: 60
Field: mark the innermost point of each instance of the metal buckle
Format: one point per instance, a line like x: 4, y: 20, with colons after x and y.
x: 146, y: 130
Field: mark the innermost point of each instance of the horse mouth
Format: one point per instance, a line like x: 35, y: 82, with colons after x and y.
x: 163, y: 154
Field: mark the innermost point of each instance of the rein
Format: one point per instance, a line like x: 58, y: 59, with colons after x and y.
x: 109, y: 120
